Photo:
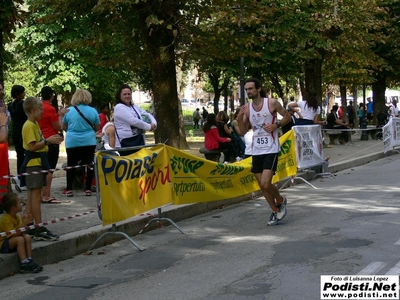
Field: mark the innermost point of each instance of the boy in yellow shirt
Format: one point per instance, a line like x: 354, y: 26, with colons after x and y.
x: 20, y: 242
x: 35, y: 161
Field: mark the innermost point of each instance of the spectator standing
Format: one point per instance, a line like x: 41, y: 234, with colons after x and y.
x: 103, y: 115
x: 19, y: 242
x: 36, y: 148
x: 393, y: 109
x: 350, y: 114
x: 81, y: 123
x: 18, y: 117
x: 204, y: 115
x: 361, y: 114
x: 261, y: 113
x: 333, y: 122
x: 370, y: 109
x: 50, y: 124
x: 310, y: 111
x: 196, y: 118
x: 212, y: 139
x: 128, y: 120
x: 340, y: 112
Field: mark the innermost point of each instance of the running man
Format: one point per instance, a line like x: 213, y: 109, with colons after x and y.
x: 261, y: 114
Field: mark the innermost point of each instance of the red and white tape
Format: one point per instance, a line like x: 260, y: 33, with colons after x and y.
x: 26, y: 228
x: 46, y: 171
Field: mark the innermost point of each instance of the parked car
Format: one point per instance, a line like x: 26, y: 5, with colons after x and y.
x: 188, y: 102
x: 210, y: 104
x: 185, y: 102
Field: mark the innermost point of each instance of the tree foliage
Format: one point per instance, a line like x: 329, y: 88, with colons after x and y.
x: 12, y: 15
x: 100, y: 44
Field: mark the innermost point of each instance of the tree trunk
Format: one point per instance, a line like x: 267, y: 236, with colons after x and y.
x: 278, y: 87
x: 214, y: 79
x: 331, y: 98
x: 168, y: 111
x: 378, y: 92
x: 355, y: 106
x: 343, y: 99
x: 313, y: 78
x: 170, y: 129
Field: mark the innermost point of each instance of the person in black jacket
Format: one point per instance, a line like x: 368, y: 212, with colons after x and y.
x: 18, y: 118
x: 333, y: 122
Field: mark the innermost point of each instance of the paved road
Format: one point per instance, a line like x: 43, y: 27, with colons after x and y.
x: 349, y: 225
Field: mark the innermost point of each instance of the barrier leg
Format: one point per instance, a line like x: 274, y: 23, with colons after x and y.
x: 325, y: 174
x: 113, y: 232
x: 291, y: 180
x: 159, y: 219
x: 300, y: 178
x: 305, y: 181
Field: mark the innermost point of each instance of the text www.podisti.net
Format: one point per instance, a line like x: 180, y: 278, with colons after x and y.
x: 359, y: 287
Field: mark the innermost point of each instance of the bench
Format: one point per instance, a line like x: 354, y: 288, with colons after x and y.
x: 373, y: 131
x: 334, y: 135
x: 213, y: 155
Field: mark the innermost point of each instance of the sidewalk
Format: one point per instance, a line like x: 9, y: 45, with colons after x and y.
x: 80, y: 231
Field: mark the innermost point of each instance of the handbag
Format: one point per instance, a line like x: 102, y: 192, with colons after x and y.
x: 136, y: 140
x: 133, y: 141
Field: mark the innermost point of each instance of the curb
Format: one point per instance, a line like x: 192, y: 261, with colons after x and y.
x: 79, y: 242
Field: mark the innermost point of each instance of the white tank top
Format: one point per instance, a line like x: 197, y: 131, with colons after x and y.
x: 105, y: 138
x: 263, y: 142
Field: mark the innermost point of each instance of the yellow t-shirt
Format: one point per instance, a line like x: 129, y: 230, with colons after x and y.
x: 31, y: 132
x: 7, y: 222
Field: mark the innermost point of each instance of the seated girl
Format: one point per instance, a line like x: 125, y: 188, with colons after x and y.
x: 213, y: 141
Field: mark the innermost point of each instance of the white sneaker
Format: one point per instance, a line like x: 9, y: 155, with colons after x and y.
x: 17, y: 184
x: 281, y: 209
x: 15, y: 180
x: 23, y: 188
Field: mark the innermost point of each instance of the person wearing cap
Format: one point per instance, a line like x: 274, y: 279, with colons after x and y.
x: 50, y: 124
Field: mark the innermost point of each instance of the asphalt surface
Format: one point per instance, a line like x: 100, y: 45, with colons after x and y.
x: 77, y: 222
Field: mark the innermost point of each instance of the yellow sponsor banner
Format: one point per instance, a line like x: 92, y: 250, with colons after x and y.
x: 199, y: 180
x: 161, y: 175
x: 131, y: 185
x: 287, y: 164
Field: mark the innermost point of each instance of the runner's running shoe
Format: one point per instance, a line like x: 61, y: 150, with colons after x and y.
x: 282, y: 209
x: 273, y: 219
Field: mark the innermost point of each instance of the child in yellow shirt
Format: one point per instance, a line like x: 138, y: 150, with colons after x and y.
x: 20, y: 242
x: 36, y: 160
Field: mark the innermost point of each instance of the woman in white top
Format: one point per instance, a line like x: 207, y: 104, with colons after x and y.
x: 129, y: 120
x: 393, y: 109
x: 310, y: 110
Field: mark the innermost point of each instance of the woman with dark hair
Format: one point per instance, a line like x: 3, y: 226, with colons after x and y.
x: 222, y: 119
x: 103, y: 115
x: 212, y: 139
x: 131, y: 122
x: 18, y: 118
x: 310, y: 110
